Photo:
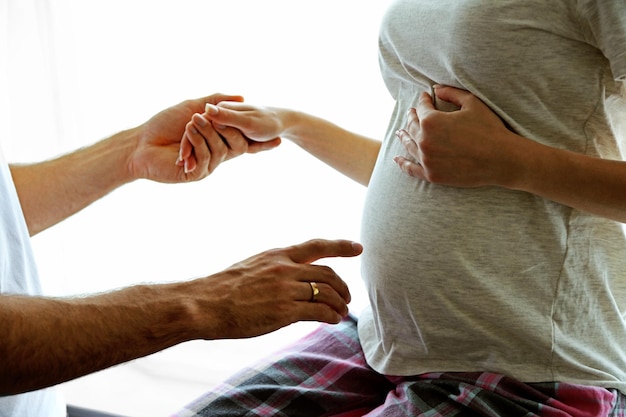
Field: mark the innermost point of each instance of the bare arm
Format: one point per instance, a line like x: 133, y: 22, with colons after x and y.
x: 590, y: 184
x: 352, y: 154
x: 472, y: 148
x: 47, y: 341
x: 349, y: 153
x: 53, y: 190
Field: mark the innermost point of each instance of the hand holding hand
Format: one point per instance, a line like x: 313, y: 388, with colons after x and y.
x: 258, y: 123
x: 157, y: 152
x: 273, y: 289
x: 470, y: 147
x: 207, y: 141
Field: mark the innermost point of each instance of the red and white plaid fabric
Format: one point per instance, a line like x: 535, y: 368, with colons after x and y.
x: 325, y: 374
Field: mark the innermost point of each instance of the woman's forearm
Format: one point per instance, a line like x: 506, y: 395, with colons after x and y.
x: 590, y: 184
x: 472, y: 148
x: 351, y: 154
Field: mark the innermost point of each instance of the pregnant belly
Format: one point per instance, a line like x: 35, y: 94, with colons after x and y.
x: 450, y: 268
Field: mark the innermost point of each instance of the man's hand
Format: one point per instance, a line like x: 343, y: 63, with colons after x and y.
x: 272, y: 289
x: 261, y: 126
x: 200, y: 143
x: 47, y: 341
x: 157, y: 153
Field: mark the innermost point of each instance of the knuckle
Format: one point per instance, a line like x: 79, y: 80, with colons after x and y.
x: 327, y: 270
x: 428, y: 123
x: 274, y: 253
x: 279, y: 269
x: 238, y: 147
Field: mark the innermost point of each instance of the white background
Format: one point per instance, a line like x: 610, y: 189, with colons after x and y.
x: 76, y: 71
x: 80, y: 70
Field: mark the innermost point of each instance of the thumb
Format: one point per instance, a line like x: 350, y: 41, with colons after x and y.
x: 256, y: 147
x: 425, y: 106
x: 456, y: 96
x: 218, y: 97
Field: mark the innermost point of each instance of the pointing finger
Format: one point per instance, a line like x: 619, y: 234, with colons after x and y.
x: 319, y: 248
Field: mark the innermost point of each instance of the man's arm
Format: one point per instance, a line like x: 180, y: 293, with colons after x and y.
x: 47, y: 341
x: 54, y: 190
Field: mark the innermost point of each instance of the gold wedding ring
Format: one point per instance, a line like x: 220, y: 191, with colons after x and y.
x: 314, y: 292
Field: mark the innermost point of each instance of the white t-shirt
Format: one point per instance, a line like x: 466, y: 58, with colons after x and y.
x: 490, y: 279
x: 18, y: 275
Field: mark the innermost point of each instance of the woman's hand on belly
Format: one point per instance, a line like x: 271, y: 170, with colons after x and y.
x: 470, y: 147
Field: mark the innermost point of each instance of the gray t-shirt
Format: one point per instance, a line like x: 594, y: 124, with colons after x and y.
x: 490, y: 279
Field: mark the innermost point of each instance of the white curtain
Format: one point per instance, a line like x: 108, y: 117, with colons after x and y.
x: 75, y: 71
x: 80, y: 70
x: 36, y: 101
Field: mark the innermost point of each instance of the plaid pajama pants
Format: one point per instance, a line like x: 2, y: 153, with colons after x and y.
x: 325, y: 374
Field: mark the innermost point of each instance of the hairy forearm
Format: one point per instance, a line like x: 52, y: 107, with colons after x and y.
x: 53, y: 190
x: 48, y: 341
x: 351, y: 154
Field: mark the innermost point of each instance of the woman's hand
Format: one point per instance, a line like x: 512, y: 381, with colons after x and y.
x: 470, y: 147
x: 260, y: 126
x: 156, y: 154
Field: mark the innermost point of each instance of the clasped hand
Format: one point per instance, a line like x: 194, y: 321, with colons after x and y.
x: 212, y: 142
x: 470, y: 147
x: 180, y: 144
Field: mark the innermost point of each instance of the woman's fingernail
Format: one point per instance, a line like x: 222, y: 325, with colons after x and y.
x: 200, y: 120
x: 187, y: 169
x: 211, y: 109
